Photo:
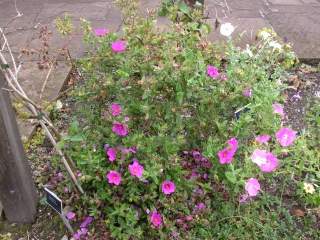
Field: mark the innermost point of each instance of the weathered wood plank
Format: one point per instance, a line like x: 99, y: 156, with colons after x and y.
x: 17, y: 191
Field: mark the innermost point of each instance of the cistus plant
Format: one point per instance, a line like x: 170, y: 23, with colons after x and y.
x: 174, y: 133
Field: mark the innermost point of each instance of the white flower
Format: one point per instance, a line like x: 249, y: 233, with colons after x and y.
x: 265, y: 35
x: 226, y: 29
x: 275, y: 45
x: 248, y: 51
x: 308, y: 188
x: 59, y: 105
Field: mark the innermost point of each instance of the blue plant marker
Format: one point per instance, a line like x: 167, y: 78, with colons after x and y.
x: 239, y: 112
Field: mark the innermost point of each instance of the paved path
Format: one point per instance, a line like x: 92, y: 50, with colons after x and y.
x: 297, y: 21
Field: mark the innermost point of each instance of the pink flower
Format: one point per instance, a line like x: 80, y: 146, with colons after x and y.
x: 70, y: 215
x: 252, y: 187
x: 247, y: 92
x: 244, y: 198
x: 233, y: 144
x: 226, y: 155
x: 168, y: 187
x: 114, y: 177
x: 266, y: 161
x: 263, y: 139
x: 112, y: 154
x: 199, y: 207
x: 212, y: 71
x: 120, y: 129
x: 223, y: 77
x: 119, y: 46
x: 100, y: 32
x: 286, y: 136
x: 126, y: 119
x: 116, y: 109
x: 156, y: 219
x: 278, y: 109
x: 125, y: 150
x: 79, y: 233
x: 86, y: 222
x: 136, y: 169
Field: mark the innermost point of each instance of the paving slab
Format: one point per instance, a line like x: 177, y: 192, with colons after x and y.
x: 286, y: 2
x: 32, y: 81
x: 297, y: 21
x: 246, y: 27
x: 302, y: 30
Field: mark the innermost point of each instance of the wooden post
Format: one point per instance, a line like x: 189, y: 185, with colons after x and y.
x: 17, y: 191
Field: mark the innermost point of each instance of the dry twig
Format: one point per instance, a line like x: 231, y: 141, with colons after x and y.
x: 11, y: 77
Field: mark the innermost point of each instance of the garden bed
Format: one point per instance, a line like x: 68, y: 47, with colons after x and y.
x: 175, y: 137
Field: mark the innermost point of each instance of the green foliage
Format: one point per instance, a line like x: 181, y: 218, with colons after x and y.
x: 64, y: 25
x: 173, y: 106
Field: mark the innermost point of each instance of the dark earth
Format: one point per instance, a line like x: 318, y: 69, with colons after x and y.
x: 304, y: 91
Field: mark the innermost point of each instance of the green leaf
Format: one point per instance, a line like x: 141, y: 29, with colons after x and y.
x: 4, y: 66
x: 231, y: 177
x: 184, y: 8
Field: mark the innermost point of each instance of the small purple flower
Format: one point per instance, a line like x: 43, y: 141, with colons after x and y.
x: 196, y: 155
x: 106, y: 147
x: 100, y: 32
x: 116, y: 109
x: 120, y: 129
x: 112, y: 154
x: 156, y: 219
x: 278, y: 109
x: 266, y: 161
x: 79, y: 233
x: 78, y: 173
x: 60, y: 176
x: 168, y: 187
x: 286, y: 136
x: 263, y: 139
x: 126, y: 119
x: 247, y: 92
x: 244, y: 198
x: 136, y: 169
x: 212, y: 71
x: 70, y: 215
x: 223, y: 77
x: 252, y: 187
x: 200, y: 206
x: 119, y: 46
x: 86, y: 222
x: 129, y: 150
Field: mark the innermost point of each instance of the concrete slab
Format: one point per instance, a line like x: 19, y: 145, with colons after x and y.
x: 32, y: 79
x: 247, y: 27
x: 286, y: 2
x: 302, y: 30
x: 312, y: 2
x: 295, y: 20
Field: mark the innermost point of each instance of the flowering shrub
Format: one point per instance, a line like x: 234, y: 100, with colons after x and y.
x: 173, y: 127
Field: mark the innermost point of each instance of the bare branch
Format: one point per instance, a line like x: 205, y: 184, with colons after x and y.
x: 11, y: 77
x: 46, y: 80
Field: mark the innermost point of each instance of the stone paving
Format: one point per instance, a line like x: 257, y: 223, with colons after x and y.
x: 296, y: 21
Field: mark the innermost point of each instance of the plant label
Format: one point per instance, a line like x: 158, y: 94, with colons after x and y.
x: 53, y: 200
